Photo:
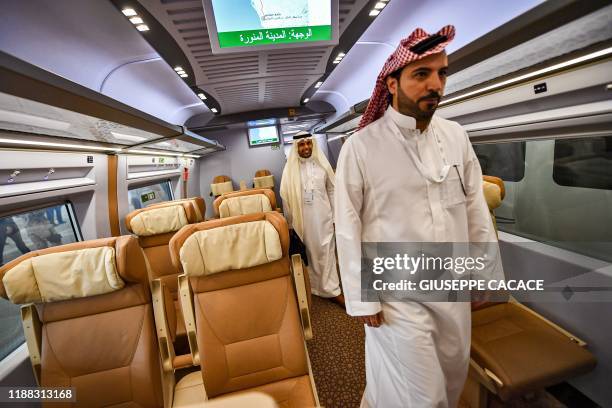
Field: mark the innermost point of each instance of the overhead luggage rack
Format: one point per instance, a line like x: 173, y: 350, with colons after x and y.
x: 58, y: 114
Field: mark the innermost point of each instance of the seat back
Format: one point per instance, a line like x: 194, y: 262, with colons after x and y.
x: 155, y: 225
x: 263, y: 179
x: 221, y: 185
x: 494, y: 192
x: 246, y: 317
x: 92, y: 327
x: 245, y: 202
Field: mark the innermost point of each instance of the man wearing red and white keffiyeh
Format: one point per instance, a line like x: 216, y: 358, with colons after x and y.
x: 409, y: 176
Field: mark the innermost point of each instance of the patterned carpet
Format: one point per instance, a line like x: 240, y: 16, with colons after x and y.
x: 337, y: 358
x: 337, y: 355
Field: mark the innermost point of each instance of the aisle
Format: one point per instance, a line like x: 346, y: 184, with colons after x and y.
x: 337, y: 355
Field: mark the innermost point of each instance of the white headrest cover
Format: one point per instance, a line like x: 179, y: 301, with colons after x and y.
x: 159, y: 220
x: 230, y: 247
x: 264, y: 181
x: 63, y: 275
x: 242, y: 205
x: 221, y: 188
x: 196, y: 208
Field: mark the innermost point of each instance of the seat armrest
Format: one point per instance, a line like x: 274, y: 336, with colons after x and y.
x: 186, y: 301
x: 32, y: 329
x: 160, y: 295
x: 299, y: 281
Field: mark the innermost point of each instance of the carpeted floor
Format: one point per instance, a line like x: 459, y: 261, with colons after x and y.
x: 337, y: 355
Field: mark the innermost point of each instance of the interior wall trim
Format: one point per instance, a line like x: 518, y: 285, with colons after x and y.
x: 113, y: 205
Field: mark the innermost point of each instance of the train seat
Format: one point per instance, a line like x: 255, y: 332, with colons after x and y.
x: 154, y: 226
x: 523, y: 352
x: 221, y: 185
x: 263, y: 179
x: 88, y: 320
x: 494, y: 192
x: 245, y: 202
x: 250, y: 323
x: 515, y: 350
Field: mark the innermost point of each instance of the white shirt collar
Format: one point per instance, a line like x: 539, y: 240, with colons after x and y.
x: 402, y: 121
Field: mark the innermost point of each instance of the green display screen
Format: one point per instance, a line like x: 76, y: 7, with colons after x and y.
x: 245, y: 23
x: 263, y: 135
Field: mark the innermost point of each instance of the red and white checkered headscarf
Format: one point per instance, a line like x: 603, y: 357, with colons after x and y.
x: 402, y: 56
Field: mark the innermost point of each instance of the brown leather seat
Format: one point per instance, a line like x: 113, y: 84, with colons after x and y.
x: 221, y: 185
x: 524, y: 351
x: 245, y: 202
x: 514, y: 350
x: 263, y: 179
x: 246, y: 324
x: 155, y: 225
x: 92, y: 327
x: 497, y: 181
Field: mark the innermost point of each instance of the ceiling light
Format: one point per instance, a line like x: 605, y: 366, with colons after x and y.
x: 306, y: 100
x: 331, y: 139
x: 181, y: 72
x: 202, y: 96
x: 336, y: 61
x: 214, y: 110
x: 153, y: 153
x: 193, y: 156
x: 374, y: 13
x: 128, y: 12
x: 318, y: 84
x: 183, y: 75
x: 142, y: 27
x: 340, y: 55
x: 31, y: 120
x: 136, y: 20
x: 177, y: 68
x: 533, y: 74
x: 380, y: 5
x: 52, y: 144
x: 128, y: 138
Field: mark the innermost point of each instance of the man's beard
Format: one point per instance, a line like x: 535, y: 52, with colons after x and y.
x: 407, y: 106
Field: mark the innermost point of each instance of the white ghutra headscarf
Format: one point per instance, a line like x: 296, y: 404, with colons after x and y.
x: 291, y: 182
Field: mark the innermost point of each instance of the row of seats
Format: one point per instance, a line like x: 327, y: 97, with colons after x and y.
x: 223, y: 184
x: 156, y: 224
x: 225, y: 290
x: 212, y: 284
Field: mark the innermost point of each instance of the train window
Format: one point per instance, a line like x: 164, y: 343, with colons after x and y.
x: 21, y: 233
x: 545, y: 205
x: 142, y: 196
x: 584, y: 163
x: 503, y: 160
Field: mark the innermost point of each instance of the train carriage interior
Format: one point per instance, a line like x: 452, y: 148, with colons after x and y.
x: 147, y: 257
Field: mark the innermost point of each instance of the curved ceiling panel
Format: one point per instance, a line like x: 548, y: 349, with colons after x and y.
x: 84, y: 40
x: 91, y: 43
x: 246, y: 81
x: 156, y: 88
x: 362, y: 63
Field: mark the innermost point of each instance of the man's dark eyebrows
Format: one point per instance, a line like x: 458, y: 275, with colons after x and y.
x: 421, y: 69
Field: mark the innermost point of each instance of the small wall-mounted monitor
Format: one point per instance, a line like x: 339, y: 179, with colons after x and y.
x: 260, y: 136
x: 245, y: 25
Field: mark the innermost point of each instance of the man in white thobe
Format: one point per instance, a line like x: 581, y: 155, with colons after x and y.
x: 307, y: 190
x: 409, y: 176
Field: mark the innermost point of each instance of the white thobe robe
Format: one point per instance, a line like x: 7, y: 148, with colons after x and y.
x: 318, y: 224
x: 419, y: 356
